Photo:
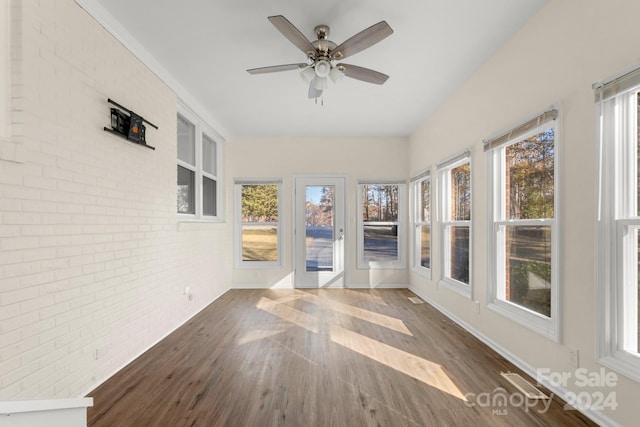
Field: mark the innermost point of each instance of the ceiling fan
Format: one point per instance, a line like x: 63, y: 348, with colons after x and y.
x: 322, y: 55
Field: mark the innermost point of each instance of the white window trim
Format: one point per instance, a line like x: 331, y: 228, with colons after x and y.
x: 5, y: 71
x: 400, y: 263
x: 546, y: 326
x: 443, y: 223
x: 239, y: 263
x: 613, y: 199
x: 202, y: 128
x: 417, y: 223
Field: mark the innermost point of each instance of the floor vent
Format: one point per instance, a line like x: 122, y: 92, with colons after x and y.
x: 528, y: 389
x: 416, y: 300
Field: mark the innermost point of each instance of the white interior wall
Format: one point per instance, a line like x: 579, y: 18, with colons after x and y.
x: 357, y: 159
x: 93, y: 261
x: 555, y: 58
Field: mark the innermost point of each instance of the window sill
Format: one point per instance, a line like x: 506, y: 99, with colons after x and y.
x: 458, y: 287
x: 190, y: 218
x: 422, y: 271
x: 373, y: 265
x: 258, y: 265
x: 538, y: 323
x: 623, y: 363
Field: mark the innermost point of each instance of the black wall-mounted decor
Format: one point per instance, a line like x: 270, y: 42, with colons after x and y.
x: 128, y: 124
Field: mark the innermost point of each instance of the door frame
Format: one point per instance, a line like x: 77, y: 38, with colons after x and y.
x: 297, y: 283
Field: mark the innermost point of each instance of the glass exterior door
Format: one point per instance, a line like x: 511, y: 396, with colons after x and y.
x: 320, y: 234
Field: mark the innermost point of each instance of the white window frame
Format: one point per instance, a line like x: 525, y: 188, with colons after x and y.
x: 201, y: 128
x: 445, y: 223
x: 5, y: 71
x: 617, y: 284
x: 239, y: 262
x: 417, y: 223
x: 496, y: 256
x: 400, y: 263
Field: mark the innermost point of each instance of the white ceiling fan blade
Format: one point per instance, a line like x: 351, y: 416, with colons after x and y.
x: 275, y: 68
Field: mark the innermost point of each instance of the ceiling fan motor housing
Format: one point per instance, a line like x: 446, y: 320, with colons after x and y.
x: 323, y: 47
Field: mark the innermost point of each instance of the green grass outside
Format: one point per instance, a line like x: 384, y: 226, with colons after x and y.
x: 260, y: 244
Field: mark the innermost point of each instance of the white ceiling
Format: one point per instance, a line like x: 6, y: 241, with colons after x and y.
x: 206, y: 46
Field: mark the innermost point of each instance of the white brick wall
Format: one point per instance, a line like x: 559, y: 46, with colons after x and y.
x: 92, y: 258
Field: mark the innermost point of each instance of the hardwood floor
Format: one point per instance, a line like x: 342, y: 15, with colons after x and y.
x: 328, y: 357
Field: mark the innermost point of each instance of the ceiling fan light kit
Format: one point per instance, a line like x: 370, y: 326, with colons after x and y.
x: 308, y: 74
x: 323, y: 53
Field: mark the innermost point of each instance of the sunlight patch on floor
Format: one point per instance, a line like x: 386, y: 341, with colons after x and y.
x: 372, y: 317
x: 421, y: 369
x: 289, y: 314
x: 258, y: 334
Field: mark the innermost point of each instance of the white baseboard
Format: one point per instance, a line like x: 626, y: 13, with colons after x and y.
x: 596, y: 416
x: 349, y: 286
x: 262, y: 286
x: 382, y: 286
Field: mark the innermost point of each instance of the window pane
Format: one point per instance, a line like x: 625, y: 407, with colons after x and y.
x: 459, y: 255
x: 186, y: 141
x: 186, y: 190
x: 380, y: 203
x: 638, y: 156
x: 319, y: 227
x: 209, y: 155
x: 380, y: 242
x: 259, y: 243
x: 260, y: 203
x: 425, y: 192
x: 461, y: 193
x: 529, y: 176
x: 208, y: 196
x: 425, y: 246
x: 528, y: 267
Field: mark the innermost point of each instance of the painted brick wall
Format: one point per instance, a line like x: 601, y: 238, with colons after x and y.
x: 93, y: 262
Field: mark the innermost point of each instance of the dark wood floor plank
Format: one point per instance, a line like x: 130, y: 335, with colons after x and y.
x: 328, y: 357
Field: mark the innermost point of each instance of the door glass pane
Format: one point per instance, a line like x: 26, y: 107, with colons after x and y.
x: 459, y: 256
x: 209, y: 155
x: 319, y: 227
x: 186, y: 191
x: 425, y: 246
x: 461, y: 193
x: 208, y: 196
x: 528, y: 267
x: 186, y: 141
x: 529, y: 174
